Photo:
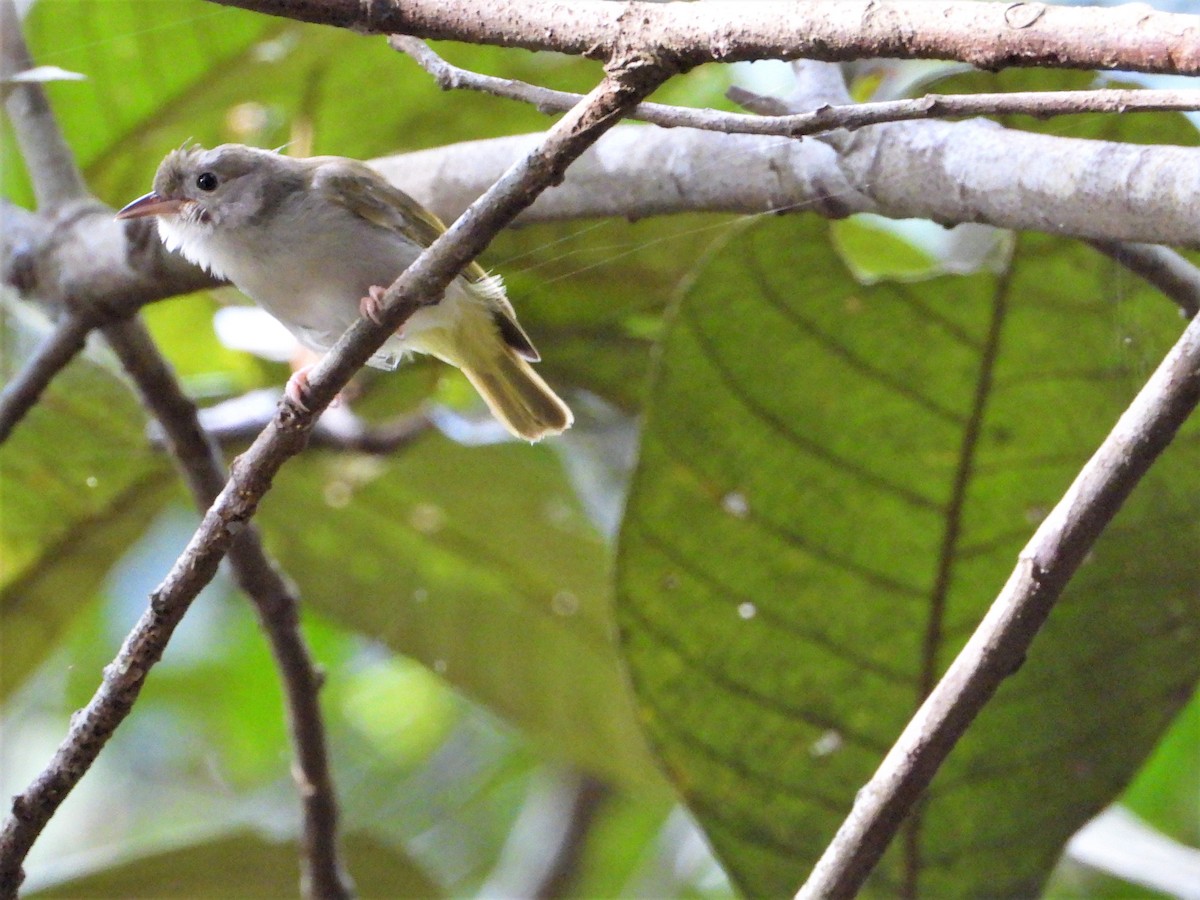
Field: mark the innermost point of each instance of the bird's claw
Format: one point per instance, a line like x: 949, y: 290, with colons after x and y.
x: 371, y: 306
x: 296, y: 390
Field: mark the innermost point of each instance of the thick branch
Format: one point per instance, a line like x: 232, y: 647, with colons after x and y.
x: 990, y: 35
x: 78, y: 257
x: 273, y: 597
x: 48, y: 159
x: 999, y: 644
x: 951, y: 172
x: 850, y: 116
x: 254, y: 471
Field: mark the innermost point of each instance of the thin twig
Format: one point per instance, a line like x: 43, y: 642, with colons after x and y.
x: 1041, y: 104
x: 1162, y: 267
x: 57, y: 181
x: 51, y: 165
x: 631, y: 79
x: 999, y: 644
x: 273, y: 597
x: 51, y: 357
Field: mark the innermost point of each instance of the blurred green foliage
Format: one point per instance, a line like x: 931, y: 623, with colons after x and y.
x: 803, y: 429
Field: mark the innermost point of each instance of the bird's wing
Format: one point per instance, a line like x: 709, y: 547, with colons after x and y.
x: 370, y: 196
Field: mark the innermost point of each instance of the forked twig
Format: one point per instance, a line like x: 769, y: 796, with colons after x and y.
x: 52, y: 355
x: 1042, y: 104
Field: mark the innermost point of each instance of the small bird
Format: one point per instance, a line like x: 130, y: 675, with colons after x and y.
x: 316, y: 241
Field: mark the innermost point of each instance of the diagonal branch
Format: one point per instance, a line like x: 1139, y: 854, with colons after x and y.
x: 630, y: 79
x: 56, y: 181
x: 1042, y: 104
x: 51, y: 357
x: 989, y: 35
x: 52, y: 169
x: 999, y: 644
x: 273, y: 597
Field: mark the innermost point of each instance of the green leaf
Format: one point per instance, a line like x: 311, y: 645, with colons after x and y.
x: 243, y: 865
x: 876, y: 253
x: 1166, y: 792
x: 479, y: 562
x: 834, y: 482
x: 78, y: 483
x: 592, y: 294
x: 133, y: 54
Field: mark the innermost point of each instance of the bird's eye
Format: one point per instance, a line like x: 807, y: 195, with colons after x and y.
x: 206, y: 181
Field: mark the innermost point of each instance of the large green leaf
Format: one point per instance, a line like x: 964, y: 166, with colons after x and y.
x: 834, y: 483
x: 479, y: 562
x: 77, y: 484
x: 592, y: 294
x: 242, y: 865
x: 134, y: 53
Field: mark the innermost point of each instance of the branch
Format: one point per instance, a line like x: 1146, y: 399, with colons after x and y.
x: 273, y: 597
x: 1165, y: 269
x: 238, y: 421
x: 48, y: 159
x: 973, y: 171
x: 630, y: 79
x: 543, y: 857
x: 588, y: 795
x: 988, y: 35
x: 77, y: 256
x: 51, y: 357
x: 73, y: 255
x: 1041, y: 104
x: 999, y: 644
x: 56, y: 181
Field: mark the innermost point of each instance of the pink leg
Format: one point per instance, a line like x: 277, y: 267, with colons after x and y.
x: 371, y: 306
x: 296, y: 389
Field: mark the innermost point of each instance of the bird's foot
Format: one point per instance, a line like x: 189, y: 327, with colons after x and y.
x: 371, y: 306
x: 296, y: 390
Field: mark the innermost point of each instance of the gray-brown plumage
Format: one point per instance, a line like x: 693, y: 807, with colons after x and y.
x: 313, y: 240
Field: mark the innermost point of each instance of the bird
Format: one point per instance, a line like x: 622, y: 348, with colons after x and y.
x: 315, y: 242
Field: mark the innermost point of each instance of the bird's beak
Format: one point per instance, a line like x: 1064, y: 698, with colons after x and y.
x: 150, y: 205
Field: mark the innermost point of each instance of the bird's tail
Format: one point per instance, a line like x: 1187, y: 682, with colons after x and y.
x: 474, y: 329
x: 517, y: 396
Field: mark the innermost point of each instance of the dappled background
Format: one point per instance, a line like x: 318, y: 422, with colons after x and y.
x: 799, y: 397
